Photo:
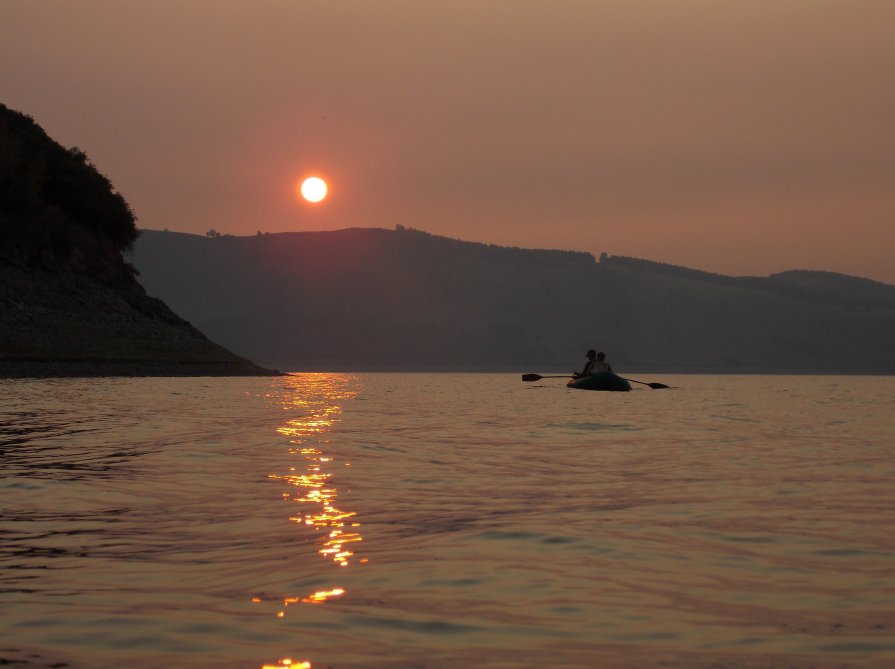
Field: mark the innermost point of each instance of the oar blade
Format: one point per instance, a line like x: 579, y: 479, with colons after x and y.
x: 531, y: 377
x: 654, y: 386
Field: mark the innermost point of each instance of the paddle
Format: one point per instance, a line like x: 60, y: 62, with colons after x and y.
x: 654, y: 386
x: 538, y: 377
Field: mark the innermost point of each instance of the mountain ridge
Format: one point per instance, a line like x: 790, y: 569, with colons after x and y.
x: 403, y: 299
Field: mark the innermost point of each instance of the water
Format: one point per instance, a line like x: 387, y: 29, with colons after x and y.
x: 426, y: 522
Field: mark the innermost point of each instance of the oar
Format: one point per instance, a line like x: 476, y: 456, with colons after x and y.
x: 538, y: 377
x: 654, y: 386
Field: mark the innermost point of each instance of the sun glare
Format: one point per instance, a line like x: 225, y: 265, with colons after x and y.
x: 313, y: 189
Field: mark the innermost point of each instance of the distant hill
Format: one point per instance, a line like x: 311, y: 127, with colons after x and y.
x: 364, y: 298
x: 69, y: 303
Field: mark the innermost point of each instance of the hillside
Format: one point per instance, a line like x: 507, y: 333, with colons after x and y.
x: 69, y: 303
x: 402, y: 299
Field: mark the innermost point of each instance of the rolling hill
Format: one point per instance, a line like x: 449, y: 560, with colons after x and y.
x: 376, y: 299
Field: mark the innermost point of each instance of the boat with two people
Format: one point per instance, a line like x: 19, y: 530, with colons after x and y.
x: 596, y: 375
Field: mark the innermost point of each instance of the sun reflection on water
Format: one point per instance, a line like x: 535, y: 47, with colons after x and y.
x: 318, y: 398
x: 288, y: 662
x: 318, y: 496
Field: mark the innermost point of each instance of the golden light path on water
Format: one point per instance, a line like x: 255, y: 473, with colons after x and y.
x: 312, y: 486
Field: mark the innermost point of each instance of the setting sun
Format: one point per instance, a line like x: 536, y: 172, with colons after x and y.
x: 313, y: 189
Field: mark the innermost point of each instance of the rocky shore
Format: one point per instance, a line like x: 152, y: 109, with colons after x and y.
x: 44, y: 369
x: 70, y: 303
x: 55, y: 325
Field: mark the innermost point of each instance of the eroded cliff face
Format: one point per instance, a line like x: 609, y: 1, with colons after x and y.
x: 70, y: 304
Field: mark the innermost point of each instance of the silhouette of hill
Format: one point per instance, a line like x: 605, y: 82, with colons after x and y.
x: 403, y: 299
x: 69, y: 304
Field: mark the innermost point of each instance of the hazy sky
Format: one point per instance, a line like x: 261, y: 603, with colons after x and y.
x: 743, y: 137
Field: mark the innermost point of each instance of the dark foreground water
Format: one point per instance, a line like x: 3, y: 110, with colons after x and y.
x: 434, y: 521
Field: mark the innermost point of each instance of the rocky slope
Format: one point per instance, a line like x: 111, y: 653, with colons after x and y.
x: 69, y: 303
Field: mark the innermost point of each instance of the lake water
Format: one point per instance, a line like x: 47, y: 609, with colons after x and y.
x: 392, y: 521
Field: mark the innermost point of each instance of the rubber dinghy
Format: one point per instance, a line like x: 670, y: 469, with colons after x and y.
x: 600, y: 381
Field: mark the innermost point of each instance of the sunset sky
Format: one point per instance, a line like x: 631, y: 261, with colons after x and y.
x: 741, y: 137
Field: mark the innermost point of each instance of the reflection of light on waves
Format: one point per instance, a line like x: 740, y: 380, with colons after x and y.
x: 287, y: 662
x: 315, y: 492
x: 322, y: 512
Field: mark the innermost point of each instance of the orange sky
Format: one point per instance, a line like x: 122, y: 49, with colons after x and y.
x: 737, y: 137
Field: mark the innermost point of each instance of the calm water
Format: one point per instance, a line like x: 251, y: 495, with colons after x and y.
x: 427, y: 522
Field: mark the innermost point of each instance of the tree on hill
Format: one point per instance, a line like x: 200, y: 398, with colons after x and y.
x: 57, y: 211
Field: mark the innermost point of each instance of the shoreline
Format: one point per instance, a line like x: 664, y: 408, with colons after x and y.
x: 48, y: 369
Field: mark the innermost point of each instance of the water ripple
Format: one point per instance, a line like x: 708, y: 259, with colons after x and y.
x: 381, y: 521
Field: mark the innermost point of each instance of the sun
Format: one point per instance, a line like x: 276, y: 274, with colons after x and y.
x: 314, y: 189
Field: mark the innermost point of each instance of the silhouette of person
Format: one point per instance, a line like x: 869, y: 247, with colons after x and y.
x: 596, y: 363
x: 600, y: 365
x: 588, y: 366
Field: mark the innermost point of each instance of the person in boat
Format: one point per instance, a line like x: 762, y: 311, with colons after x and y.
x: 596, y: 364
x: 600, y: 365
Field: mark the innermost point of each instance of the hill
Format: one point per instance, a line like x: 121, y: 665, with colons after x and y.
x: 69, y: 303
x: 402, y: 299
